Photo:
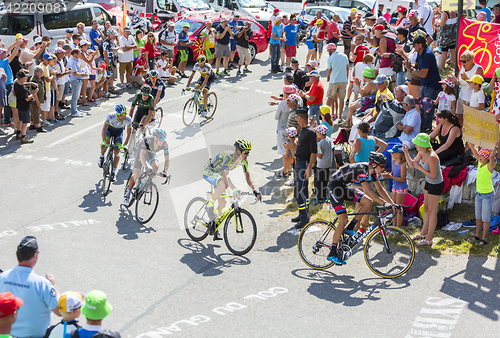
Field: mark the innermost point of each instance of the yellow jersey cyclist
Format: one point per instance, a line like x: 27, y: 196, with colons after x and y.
x: 157, y: 85
x: 145, y: 106
x: 113, y: 127
x: 207, y: 77
x: 147, y: 158
x: 339, y: 189
x: 216, y: 172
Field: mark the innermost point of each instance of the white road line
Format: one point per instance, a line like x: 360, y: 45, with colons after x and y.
x: 262, y: 91
x: 254, y: 81
x: 64, y: 139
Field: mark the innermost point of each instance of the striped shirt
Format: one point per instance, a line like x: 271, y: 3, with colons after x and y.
x: 347, y: 28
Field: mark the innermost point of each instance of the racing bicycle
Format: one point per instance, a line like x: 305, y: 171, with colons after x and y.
x: 240, y: 229
x: 107, y: 168
x: 195, y: 106
x: 145, y: 195
x: 389, y: 251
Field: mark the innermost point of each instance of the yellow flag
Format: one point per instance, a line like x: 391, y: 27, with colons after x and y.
x: 124, y: 17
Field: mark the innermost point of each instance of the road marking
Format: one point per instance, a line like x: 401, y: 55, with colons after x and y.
x: 64, y: 139
x: 262, y: 91
x: 254, y: 81
x: 47, y: 227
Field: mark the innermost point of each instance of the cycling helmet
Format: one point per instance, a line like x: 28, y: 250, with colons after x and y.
x: 120, y: 109
x: 146, y: 90
x: 107, y: 334
x: 243, y: 144
x: 153, y: 73
x: 377, y: 158
x: 160, y: 134
x: 201, y: 59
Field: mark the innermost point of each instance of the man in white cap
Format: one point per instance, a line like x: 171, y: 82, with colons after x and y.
x: 167, y: 40
x: 127, y: 44
x: 336, y: 75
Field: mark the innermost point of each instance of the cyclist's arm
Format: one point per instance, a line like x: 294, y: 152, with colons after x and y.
x: 131, y: 113
x: 157, y: 98
x: 129, y: 134
x: 103, y: 132
x: 205, y: 80
x: 381, y: 190
x: 167, y: 162
x: 142, y: 158
x: 248, y: 178
x: 190, y: 78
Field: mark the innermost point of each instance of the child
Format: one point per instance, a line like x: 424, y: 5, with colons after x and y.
x: 166, y: 68
x: 95, y: 308
x: 398, y: 175
x: 70, y: 304
x: 485, y: 193
x: 323, y: 164
x: 477, y: 97
x: 446, y: 100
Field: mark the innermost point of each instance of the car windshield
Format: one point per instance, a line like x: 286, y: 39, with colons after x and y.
x: 252, y: 3
x: 11, y: 24
x: 197, y: 5
x: 193, y: 26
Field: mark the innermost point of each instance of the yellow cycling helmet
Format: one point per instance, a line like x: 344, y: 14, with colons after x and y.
x: 201, y: 59
x: 243, y: 145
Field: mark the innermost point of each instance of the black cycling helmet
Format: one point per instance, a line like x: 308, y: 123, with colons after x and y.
x: 377, y: 158
x: 153, y: 73
x: 146, y: 90
x: 243, y: 145
x: 107, y: 334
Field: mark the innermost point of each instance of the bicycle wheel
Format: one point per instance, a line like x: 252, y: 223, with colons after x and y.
x: 196, y: 219
x: 132, y: 196
x: 147, y: 203
x: 158, y: 117
x: 189, y: 112
x: 240, y: 232
x: 125, y: 161
x: 211, y: 105
x: 314, y: 244
x: 392, y: 258
x: 108, y: 162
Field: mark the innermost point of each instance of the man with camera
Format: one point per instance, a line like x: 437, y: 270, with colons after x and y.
x: 242, y: 37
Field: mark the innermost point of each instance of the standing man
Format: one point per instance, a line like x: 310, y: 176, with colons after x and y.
x: 426, y: 16
x: 348, y: 32
x: 315, y: 95
x: 336, y: 76
x: 322, y: 29
x: 380, y: 10
x: 305, y: 157
x: 23, y: 98
x: 243, y: 36
x: 292, y: 41
x: 75, y: 79
x: 38, y: 293
x: 222, y: 49
x: 299, y: 76
x: 167, y: 40
x: 208, y: 35
x: 127, y: 44
x: 274, y: 42
x: 496, y: 12
x: 233, y: 23
x: 333, y: 32
x: 426, y: 69
x: 183, y: 48
x: 95, y: 35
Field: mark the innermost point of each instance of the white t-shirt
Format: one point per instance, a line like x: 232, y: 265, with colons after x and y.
x: 425, y: 13
x: 476, y: 98
x: 162, y: 64
x: 465, y: 88
x: 445, y: 101
x: 126, y: 56
x: 168, y: 37
x: 358, y: 72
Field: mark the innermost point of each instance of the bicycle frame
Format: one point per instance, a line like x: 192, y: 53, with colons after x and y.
x: 196, y: 98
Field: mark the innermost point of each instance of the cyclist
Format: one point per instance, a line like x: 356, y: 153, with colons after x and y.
x: 216, y: 172
x: 207, y: 77
x: 147, y: 157
x: 145, y: 106
x: 157, y: 85
x: 363, y: 173
x: 113, y: 127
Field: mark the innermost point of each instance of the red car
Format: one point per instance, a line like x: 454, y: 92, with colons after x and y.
x: 257, y: 44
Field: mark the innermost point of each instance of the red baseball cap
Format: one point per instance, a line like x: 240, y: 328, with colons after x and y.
x: 402, y: 9
x: 276, y: 10
x: 379, y: 28
x: 9, y: 304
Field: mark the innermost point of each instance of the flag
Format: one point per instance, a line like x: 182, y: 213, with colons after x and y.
x: 124, y: 17
x: 375, y: 8
x: 304, y: 5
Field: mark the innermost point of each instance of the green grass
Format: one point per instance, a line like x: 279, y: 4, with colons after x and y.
x: 445, y: 242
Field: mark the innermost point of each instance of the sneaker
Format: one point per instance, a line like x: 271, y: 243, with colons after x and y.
x: 203, y: 113
x: 46, y: 124
x: 291, y: 182
x: 32, y: 127
x: 112, y: 177
x: 210, y: 212
x: 239, y: 73
x: 128, y: 85
x: 55, y: 121
x: 77, y: 114
x: 216, y: 73
x: 126, y: 199
x: 226, y: 72
x: 18, y: 135
x: 106, y: 95
x: 25, y: 139
x: 113, y: 91
x: 246, y: 70
x: 100, y: 162
x: 184, y: 76
x: 59, y: 117
x: 40, y: 130
x: 335, y: 260
x: 11, y: 124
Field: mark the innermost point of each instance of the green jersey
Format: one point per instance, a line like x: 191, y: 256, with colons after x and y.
x: 148, y: 104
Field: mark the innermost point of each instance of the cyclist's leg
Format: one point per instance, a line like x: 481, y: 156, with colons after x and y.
x: 336, y: 193
x: 155, y: 164
x: 215, y: 180
x: 118, y: 141
x: 363, y: 204
x: 205, y: 98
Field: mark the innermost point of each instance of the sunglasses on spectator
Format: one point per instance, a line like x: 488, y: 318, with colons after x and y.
x: 464, y: 61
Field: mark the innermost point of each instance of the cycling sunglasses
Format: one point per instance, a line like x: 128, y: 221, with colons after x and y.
x: 121, y: 114
x: 245, y: 152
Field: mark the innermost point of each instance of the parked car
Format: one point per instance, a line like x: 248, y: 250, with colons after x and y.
x: 257, y: 44
x: 364, y: 6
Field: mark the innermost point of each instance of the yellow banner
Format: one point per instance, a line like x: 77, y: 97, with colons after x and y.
x: 480, y: 128
x: 452, y: 5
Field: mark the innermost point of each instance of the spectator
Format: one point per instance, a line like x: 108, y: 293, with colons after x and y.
x: 387, y: 14
x: 293, y: 128
x: 95, y: 35
x: 426, y: 16
x: 150, y: 47
x: 477, y: 97
x: 416, y: 29
x: 166, y: 68
x: 427, y: 162
x: 28, y: 57
x: 481, y: 16
x: 380, y: 10
x: 70, y: 304
x: 127, y: 44
x: 448, y: 37
x: 449, y: 134
x: 39, y: 99
x: 5, y: 64
x: 3, y: 97
x: 496, y: 12
x: 403, y: 21
x: 242, y: 37
x: 53, y: 90
x: 357, y: 72
x: 467, y: 71
x: 67, y: 54
x: 208, y: 41
x: 392, y: 112
x: 48, y: 77
x: 167, y: 41
x: 365, y: 144
x: 446, y: 99
x: 109, y: 54
x: 356, y: 57
x: 61, y: 78
x: 38, y: 293
x: 411, y: 123
x: 233, y: 23
x: 76, y: 40
x: 323, y: 164
x: 222, y: 49
x: 370, y: 20
x: 333, y: 32
x: 95, y: 308
x: 299, y: 76
x: 107, y: 27
x: 402, y: 34
x: 274, y: 42
x: 23, y: 98
x: 336, y: 76
x: 80, y: 27
x: 348, y: 32
x: 183, y: 48
x: 281, y: 115
x: 69, y: 36
x: 292, y: 41
x: 75, y: 79
x: 305, y: 157
x: 367, y: 90
x: 326, y: 119
x: 9, y: 306
x: 87, y: 57
x: 428, y: 73
x: 140, y: 70
x: 315, y: 94
x: 322, y: 25
x: 140, y: 42
x: 485, y: 9
x: 387, y: 46
x: 310, y: 42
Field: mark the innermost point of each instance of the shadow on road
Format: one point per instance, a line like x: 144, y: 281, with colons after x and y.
x: 203, y: 260
x: 94, y: 199
x: 286, y: 240
x: 128, y: 226
x: 477, y: 285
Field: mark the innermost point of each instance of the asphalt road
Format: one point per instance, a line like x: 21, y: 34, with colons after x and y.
x: 161, y: 283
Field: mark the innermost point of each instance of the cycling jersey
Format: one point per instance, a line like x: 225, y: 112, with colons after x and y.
x: 225, y: 161
x: 148, y: 144
x: 354, y: 173
x: 159, y: 86
x: 207, y: 70
x: 148, y: 104
x: 114, y: 124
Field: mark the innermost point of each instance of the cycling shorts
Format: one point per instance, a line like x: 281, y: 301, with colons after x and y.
x: 210, y: 53
x: 211, y: 177
x: 149, y: 157
x: 211, y: 79
x: 140, y: 113
x: 116, y: 134
x: 338, y: 192
x: 183, y: 55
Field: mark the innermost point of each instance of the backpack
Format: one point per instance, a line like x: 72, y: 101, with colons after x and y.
x: 442, y: 218
x: 52, y: 327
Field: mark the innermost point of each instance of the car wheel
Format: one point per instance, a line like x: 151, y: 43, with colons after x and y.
x: 253, y: 50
